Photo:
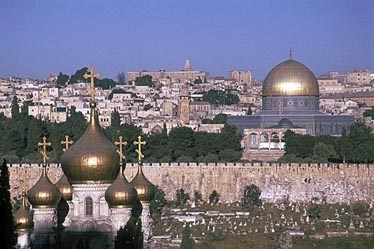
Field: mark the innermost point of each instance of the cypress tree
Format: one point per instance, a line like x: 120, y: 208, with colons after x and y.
x: 8, y: 236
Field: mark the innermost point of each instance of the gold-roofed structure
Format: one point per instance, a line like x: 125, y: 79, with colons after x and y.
x: 23, y: 217
x: 93, y: 158
x: 44, y: 194
x: 65, y: 188
x: 121, y: 194
x: 145, y: 189
x: 290, y: 78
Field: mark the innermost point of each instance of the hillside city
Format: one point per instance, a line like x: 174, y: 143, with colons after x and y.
x: 150, y: 99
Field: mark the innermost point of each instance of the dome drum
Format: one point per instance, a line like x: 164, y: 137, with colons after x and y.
x: 290, y: 103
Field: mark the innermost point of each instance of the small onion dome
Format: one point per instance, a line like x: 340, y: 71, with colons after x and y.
x: 65, y: 188
x: 44, y: 194
x: 146, y: 190
x: 23, y: 217
x: 121, y: 193
x: 93, y: 158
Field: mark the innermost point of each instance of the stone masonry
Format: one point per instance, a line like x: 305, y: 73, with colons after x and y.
x: 294, y: 182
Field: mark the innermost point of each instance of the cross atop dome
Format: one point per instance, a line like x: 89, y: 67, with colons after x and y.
x: 92, y: 76
x: 290, y: 54
x: 43, y: 151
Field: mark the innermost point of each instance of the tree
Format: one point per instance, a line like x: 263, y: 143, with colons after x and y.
x: 182, y: 197
x: 187, y: 241
x: 78, y: 76
x: 8, y: 236
x: 15, y: 107
x: 105, y: 83
x: 157, y: 203
x: 251, y: 196
x: 314, y: 212
x: 145, y: 80
x: 62, y: 79
x: 214, y: 197
x: 131, y: 236
x: 322, y: 152
x: 115, y: 120
x: 217, y: 97
x: 198, y: 197
x: 121, y: 78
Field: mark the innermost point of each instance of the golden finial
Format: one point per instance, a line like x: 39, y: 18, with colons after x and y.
x: 92, y: 76
x: 290, y: 54
x: 43, y: 152
x: 139, y: 149
x: 66, y: 143
x: 121, y: 144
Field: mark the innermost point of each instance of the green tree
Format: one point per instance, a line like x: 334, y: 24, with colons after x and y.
x: 322, y: 152
x: 187, y: 241
x: 198, y: 197
x: 25, y: 107
x: 217, y: 97
x: 8, y: 236
x: 251, y: 196
x: 214, y: 197
x: 62, y: 79
x: 145, y: 80
x: 131, y: 236
x: 78, y: 76
x: 115, y: 120
x: 314, y: 212
x: 121, y: 78
x: 15, y: 107
x: 105, y: 83
x: 182, y: 197
x: 157, y: 203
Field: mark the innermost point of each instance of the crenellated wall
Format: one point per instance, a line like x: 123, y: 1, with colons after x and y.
x: 295, y: 182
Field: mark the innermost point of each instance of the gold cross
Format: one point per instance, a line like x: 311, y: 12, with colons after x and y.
x: 121, y: 144
x: 43, y: 152
x: 139, y: 149
x: 92, y: 76
x: 66, y: 142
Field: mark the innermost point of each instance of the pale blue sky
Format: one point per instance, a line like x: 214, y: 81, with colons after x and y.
x: 42, y: 37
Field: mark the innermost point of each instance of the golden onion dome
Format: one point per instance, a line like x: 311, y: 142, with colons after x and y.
x: 65, y: 188
x: 23, y: 217
x: 121, y: 193
x: 290, y: 78
x: 93, y: 158
x: 44, y: 194
x: 145, y: 189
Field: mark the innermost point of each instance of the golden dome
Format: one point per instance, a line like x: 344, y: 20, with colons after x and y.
x: 65, y: 188
x: 290, y: 78
x: 23, y: 217
x: 121, y: 193
x: 44, y: 194
x: 146, y: 190
x: 93, y: 158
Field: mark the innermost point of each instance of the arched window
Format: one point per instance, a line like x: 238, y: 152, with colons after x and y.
x: 88, y: 206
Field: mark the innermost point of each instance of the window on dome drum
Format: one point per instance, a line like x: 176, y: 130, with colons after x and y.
x: 88, y: 206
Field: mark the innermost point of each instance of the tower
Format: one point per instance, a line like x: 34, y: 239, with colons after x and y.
x: 187, y: 66
x: 184, y: 105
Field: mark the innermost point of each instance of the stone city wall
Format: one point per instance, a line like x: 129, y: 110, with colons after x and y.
x: 295, y: 182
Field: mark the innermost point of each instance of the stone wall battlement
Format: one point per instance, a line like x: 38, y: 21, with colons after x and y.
x: 277, y: 181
